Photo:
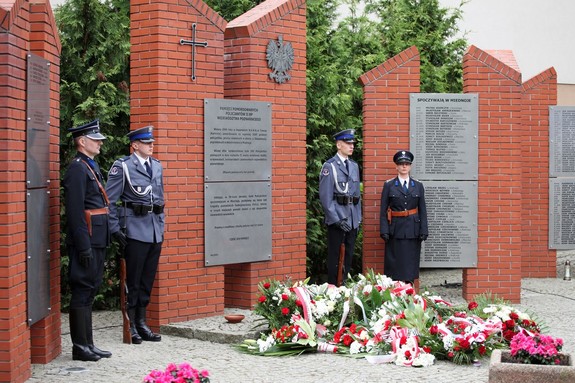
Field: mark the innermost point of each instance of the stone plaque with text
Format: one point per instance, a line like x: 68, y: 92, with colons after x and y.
x: 238, y: 140
x: 562, y: 213
x: 238, y: 225
x: 444, y: 136
x: 37, y: 122
x: 562, y: 141
x: 452, y: 218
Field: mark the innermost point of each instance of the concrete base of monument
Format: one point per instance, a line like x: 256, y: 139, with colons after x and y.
x: 217, y: 329
x: 503, y: 369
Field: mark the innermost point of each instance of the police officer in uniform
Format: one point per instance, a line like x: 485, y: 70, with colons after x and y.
x: 339, y: 192
x: 88, y: 236
x: 403, y: 221
x: 136, y: 191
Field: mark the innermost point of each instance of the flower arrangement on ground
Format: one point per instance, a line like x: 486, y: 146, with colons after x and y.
x: 533, y: 348
x: 374, y: 315
x: 182, y: 373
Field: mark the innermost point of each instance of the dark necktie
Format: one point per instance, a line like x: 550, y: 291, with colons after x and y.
x: 346, y: 162
x: 405, y: 186
x: 148, y: 168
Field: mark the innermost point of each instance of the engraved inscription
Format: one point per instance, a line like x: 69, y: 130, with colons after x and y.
x: 237, y: 222
x: 237, y: 140
x: 562, y: 213
x: 562, y: 141
x: 443, y: 130
x: 452, y: 216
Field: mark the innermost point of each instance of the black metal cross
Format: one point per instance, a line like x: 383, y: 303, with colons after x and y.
x: 194, y: 44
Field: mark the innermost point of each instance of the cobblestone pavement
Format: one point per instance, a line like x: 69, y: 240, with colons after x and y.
x: 551, y: 300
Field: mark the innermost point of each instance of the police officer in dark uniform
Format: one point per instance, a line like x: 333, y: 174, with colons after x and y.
x: 136, y: 191
x: 403, y: 221
x: 88, y: 236
x: 339, y: 192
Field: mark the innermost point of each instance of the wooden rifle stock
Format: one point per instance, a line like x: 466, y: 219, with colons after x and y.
x: 127, y: 336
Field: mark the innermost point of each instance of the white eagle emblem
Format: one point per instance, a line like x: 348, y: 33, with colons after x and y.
x: 280, y: 59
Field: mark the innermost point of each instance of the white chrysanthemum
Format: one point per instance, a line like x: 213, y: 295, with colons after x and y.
x: 355, y: 348
x: 327, y: 323
x: 424, y: 360
x: 320, y: 309
x: 364, y: 335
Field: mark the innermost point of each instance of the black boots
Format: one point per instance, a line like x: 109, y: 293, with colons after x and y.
x: 82, y: 340
x: 80, y: 347
x: 142, y: 328
x: 90, y: 339
x: 136, y: 338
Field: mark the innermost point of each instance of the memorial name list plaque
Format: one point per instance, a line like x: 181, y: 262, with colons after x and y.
x: 562, y: 141
x: 444, y: 135
x: 562, y: 213
x: 452, y: 218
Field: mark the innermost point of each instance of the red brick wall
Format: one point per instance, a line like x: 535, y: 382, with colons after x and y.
x: 164, y: 95
x: 246, y: 78
x: 385, y: 131
x: 498, y: 85
x: 25, y: 28
x: 539, y: 93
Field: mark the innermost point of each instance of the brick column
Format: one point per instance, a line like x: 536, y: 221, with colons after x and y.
x: 247, y: 78
x: 495, y: 77
x: 163, y: 94
x: 538, y: 93
x: 385, y: 131
x: 26, y: 28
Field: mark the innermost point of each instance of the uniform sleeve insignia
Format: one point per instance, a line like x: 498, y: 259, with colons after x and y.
x: 325, y: 171
x: 114, y: 170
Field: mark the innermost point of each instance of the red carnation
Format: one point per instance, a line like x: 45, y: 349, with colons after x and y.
x: 285, y: 311
x: 433, y: 330
x: 472, y: 305
x: 267, y: 285
x: 298, y: 302
x: 285, y: 297
x: 262, y: 299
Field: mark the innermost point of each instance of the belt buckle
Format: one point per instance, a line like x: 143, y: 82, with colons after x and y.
x: 151, y: 209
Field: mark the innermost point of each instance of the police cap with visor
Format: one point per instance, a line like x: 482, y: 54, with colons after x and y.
x: 143, y: 135
x: 402, y: 157
x: 90, y: 130
x: 347, y: 135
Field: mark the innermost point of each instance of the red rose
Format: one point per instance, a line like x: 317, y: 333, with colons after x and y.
x: 407, y: 354
x: 427, y: 349
x: 450, y: 354
x: 285, y: 311
x: 285, y: 297
x: 298, y: 302
x: 347, y: 340
x: 409, y: 291
x: 267, y: 285
x: 433, y: 330
x: 472, y: 305
x: 464, y: 343
x: 262, y: 299
x: 514, y: 316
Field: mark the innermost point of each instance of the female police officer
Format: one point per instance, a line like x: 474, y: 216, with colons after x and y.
x: 403, y: 221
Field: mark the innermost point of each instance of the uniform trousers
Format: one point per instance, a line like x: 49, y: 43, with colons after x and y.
x: 335, y: 237
x: 85, y: 281
x: 141, y: 265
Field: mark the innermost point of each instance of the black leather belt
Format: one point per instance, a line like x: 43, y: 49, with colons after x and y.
x: 346, y: 199
x: 141, y: 209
